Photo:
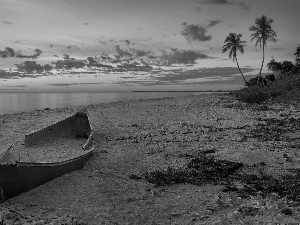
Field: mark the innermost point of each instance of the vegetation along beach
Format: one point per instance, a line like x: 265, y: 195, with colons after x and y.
x: 228, y: 154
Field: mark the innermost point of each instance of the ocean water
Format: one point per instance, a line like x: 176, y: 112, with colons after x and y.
x: 24, y: 102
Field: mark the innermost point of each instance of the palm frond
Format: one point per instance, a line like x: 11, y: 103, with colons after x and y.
x: 233, y: 42
x: 242, y: 42
x: 258, y: 41
x: 271, y: 38
x: 234, y: 56
x: 270, y: 21
x: 254, y: 28
x: 240, y: 48
x: 263, y: 31
x: 254, y: 36
x: 239, y: 36
x: 226, y: 47
x: 230, y: 54
x: 230, y: 38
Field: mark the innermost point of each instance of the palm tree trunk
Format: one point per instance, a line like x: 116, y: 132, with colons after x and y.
x: 259, y: 76
x: 241, y: 71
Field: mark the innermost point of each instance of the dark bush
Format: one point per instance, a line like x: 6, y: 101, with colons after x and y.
x: 270, y: 77
x: 255, y: 94
x: 255, y: 80
x: 287, y: 87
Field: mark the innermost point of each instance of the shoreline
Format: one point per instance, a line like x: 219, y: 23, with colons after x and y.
x: 142, y: 98
x: 134, y: 137
x: 187, y: 91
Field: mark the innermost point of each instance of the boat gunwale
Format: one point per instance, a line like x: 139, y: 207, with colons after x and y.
x: 6, y: 150
x: 56, y: 163
x: 88, y: 143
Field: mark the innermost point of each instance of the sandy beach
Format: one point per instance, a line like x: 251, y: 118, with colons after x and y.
x: 135, y: 137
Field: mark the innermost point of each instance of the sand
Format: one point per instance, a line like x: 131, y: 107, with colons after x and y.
x: 133, y: 137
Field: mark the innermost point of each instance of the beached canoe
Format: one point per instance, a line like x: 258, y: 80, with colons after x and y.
x: 46, y: 154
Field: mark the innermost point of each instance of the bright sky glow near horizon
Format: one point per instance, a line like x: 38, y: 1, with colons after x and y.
x: 145, y: 32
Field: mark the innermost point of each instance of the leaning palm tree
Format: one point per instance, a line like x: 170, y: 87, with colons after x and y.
x: 233, y: 42
x: 262, y: 32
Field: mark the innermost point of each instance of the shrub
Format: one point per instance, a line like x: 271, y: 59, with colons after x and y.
x: 270, y: 77
x: 255, y: 94
x: 253, y: 81
x: 287, y: 87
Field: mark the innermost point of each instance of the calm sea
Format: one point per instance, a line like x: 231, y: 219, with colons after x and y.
x: 23, y: 102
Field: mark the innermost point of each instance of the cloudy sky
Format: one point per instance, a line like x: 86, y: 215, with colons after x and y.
x: 177, y: 44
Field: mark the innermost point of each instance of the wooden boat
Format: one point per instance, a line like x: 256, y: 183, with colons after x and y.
x: 20, y: 172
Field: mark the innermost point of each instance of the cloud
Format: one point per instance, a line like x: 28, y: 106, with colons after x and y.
x: 131, y: 54
x: 19, y: 86
x: 72, y: 46
x: 147, y: 58
x: 61, y: 84
x: 222, y: 72
x: 217, y: 75
x: 213, y: 23
x: 70, y: 84
x: 181, y: 56
x: 240, y: 4
x: 66, y: 56
x: 198, y: 9
x: 277, y: 49
x: 14, y: 75
x: 122, y: 53
x: 7, y: 22
x: 127, y: 42
x: 243, y: 6
x: 103, y: 42
x: 134, y: 66
x: 193, y: 32
x: 9, y: 52
x: 141, y: 53
x: 127, y: 77
x: 37, y: 53
x: 215, y: 2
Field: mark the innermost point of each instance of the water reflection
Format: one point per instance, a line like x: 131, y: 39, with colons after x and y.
x: 21, y: 102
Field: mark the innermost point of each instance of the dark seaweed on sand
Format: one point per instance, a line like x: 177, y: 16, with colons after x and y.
x: 200, y: 170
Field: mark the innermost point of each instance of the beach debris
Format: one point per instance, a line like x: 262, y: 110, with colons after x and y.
x: 276, y: 129
x: 200, y: 170
x: 287, y: 186
x: 287, y: 157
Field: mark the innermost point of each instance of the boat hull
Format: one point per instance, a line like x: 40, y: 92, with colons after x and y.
x: 21, y: 177
x: 17, y: 177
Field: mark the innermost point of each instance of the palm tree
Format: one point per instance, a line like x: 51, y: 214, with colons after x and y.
x: 233, y: 42
x: 262, y: 32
